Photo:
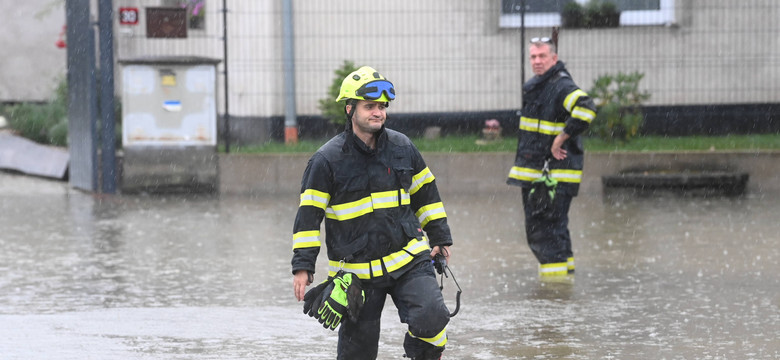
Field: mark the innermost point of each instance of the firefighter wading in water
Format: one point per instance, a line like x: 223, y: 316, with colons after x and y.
x: 377, y: 196
x: 555, y: 112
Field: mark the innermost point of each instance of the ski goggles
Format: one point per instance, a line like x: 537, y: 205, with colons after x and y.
x: 541, y: 39
x: 373, y: 90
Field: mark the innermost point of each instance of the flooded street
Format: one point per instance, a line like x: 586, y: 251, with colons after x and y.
x: 208, y: 277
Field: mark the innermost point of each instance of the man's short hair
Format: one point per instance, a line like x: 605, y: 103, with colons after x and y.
x: 545, y: 41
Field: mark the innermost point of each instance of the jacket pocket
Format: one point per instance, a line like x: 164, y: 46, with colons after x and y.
x: 403, y: 168
x: 404, y: 175
x: 412, y: 230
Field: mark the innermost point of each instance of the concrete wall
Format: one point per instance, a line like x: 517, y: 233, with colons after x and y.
x: 242, y: 174
x: 30, y: 65
x: 169, y: 168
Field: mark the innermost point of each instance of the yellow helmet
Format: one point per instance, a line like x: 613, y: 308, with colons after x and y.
x: 366, y: 84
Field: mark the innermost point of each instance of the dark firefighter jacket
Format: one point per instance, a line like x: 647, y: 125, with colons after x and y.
x: 376, y: 204
x: 552, y: 103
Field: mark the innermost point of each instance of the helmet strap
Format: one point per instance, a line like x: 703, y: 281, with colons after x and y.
x: 352, y: 103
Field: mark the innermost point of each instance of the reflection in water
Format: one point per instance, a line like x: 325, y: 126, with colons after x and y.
x: 205, y: 277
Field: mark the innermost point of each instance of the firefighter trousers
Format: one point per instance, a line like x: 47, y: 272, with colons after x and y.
x: 548, y: 236
x: 420, y: 305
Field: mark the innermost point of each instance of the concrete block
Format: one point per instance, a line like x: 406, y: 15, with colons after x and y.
x: 161, y: 169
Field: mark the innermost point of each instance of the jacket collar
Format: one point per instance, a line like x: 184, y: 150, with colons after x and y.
x: 541, y: 79
x: 381, y: 140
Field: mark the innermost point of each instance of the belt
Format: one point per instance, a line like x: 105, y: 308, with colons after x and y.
x: 373, y: 268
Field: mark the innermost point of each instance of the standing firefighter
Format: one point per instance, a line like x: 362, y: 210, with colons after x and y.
x: 549, y: 160
x: 377, y: 195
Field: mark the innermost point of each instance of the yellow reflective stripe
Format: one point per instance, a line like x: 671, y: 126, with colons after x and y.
x: 528, y: 124
x: 417, y: 246
x: 362, y: 270
x: 423, y: 177
x: 553, y: 269
x: 406, y: 199
x: 306, y: 239
x: 583, y: 114
x: 430, y: 212
x: 541, y: 126
x: 528, y: 174
x: 311, y: 197
x: 569, y: 176
x: 570, y: 264
x: 439, y: 340
x: 377, y: 200
x: 525, y: 174
x: 376, y: 268
x: 571, y: 99
x: 396, y: 260
x: 392, y: 262
x: 551, y: 128
x: 349, y: 210
x: 385, y: 199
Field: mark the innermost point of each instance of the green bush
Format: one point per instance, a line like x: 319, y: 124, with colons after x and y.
x: 619, y: 104
x: 35, y: 121
x: 47, y: 123
x: 58, y: 134
x: 332, y: 110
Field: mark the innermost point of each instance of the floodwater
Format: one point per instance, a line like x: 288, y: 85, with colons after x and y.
x: 207, y: 277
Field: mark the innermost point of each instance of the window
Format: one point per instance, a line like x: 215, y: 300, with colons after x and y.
x: 543, y: 13
x: 195, y: 11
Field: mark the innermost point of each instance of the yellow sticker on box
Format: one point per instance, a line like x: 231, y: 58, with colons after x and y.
x: 169, y: 80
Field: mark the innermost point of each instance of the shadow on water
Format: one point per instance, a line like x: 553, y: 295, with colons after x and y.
x: 207, y: 277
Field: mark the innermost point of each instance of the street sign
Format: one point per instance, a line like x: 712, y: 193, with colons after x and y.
x: 128, y: 16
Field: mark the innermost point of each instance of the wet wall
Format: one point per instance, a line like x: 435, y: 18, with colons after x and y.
x: 465, y: 173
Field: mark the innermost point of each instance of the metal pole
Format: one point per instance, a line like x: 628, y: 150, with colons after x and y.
x: 290, y: 117
x: 82, y: 100
x: 107, y: 121
x: 225, y: 65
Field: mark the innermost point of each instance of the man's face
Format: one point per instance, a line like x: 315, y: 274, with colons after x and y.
x: 542, y: 59
x: 369, y: 117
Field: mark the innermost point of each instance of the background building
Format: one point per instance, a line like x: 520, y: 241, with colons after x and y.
x: 706, y: 63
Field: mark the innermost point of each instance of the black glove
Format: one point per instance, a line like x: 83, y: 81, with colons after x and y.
x: 313, y: 297
x: 345, y: 296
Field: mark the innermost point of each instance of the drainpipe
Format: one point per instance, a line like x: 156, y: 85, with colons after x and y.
x: 522, y: 43
x: 225, y: 64
x: 288, y: 58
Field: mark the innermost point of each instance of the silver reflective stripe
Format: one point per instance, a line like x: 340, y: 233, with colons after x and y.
x: 427, y: 214
x: 346, y: 212
x: 414, y: 249
x: 402, y: 257
x: 557, y: 128
x: 366, y: 272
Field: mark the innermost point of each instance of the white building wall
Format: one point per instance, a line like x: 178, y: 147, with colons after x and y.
x: 717, y: 52
x: 443, y: 55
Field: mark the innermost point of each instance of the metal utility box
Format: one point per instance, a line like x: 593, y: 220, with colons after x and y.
x: 169, y: 124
